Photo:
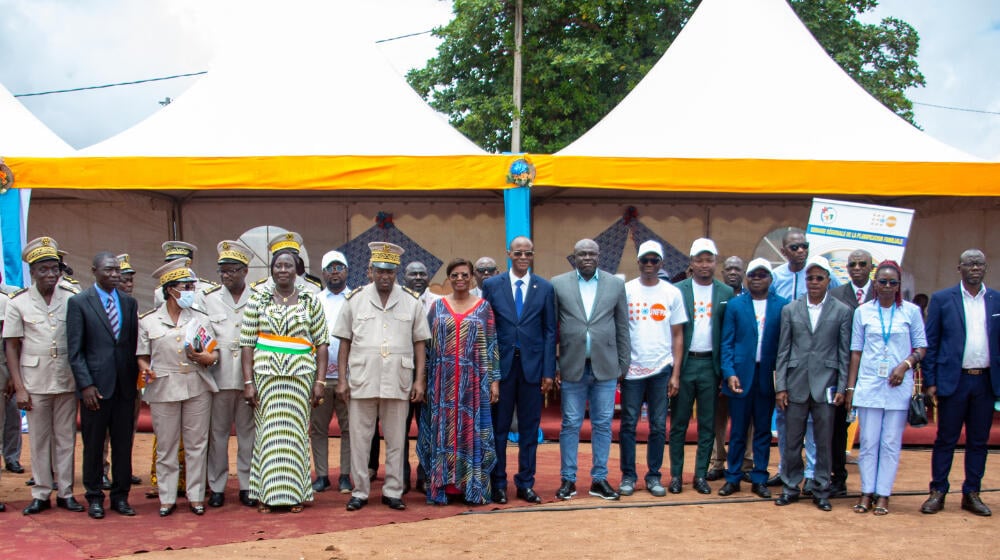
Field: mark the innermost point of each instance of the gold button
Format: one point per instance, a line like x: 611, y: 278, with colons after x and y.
x: 50, y: 314
x: 178, y: 339
x: 178, y: 350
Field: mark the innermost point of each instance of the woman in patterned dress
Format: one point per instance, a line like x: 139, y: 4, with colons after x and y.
x: 456, y: 435
x: 284, y: 340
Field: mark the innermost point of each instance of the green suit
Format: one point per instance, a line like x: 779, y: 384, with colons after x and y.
x: 700, y: 378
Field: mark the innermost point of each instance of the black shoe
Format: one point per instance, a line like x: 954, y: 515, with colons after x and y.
x: 167, y: 510
x: 761, y: 490
x: 246, y: 500
x: 344, y: 484
x: 30, y: 482
x: 15, y: 467
x: 807, y: 487
x: 973, y: 503
x: 122, y: 507
x: 702, y: 487
x: 354, y: 504
x: 823, y: 504
x: 603, y: 490
x: 321, y: 483
x: 70, y: 504
x: 499, y: 496
x: 838, y: 490
x: 95, y: 510
x: 394, y: 503
x: 217, y: 499
x: 528, y: 495
x: 37, y: 506
x: 715, y: 474
x: 729, y: 489
x: 934, y: 503
x: 105, y: 482
x: 134, y: 480
x: 675, y: 486
x: 3, y: 508
x: 197, y: 510
x: 785, y: 498
x: 774, y: 481
x: 566, y: 490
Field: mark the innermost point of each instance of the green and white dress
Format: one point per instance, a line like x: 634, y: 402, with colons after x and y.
x: 284, y: 371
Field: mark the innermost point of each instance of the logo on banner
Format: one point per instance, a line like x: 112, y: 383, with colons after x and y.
x: 828, y: 214
x: 883, y: 220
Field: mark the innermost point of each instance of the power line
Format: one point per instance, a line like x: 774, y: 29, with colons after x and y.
x: 102, y: 86
x: 963, y: 109
x: 418, y: 33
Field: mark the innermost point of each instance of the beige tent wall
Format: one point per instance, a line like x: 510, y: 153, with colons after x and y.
x: 131, y: 224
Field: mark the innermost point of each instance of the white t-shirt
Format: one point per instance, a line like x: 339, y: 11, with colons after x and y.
x: 760, y: 312
x: 701, y: 336
x: 652, y: 310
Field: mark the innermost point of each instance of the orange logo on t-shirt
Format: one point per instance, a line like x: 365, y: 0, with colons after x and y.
x: 657, y: 312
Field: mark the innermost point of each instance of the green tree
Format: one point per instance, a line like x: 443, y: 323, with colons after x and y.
x: 581, y: 57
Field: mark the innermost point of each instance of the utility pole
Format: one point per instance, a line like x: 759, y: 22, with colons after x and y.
x: 515, y: 127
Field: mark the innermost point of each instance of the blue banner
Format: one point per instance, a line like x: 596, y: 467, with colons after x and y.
x: 517, y: 212
x: 13, y: 231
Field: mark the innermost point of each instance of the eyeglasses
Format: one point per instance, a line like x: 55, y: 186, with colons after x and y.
x: 490, y: 270
x: 796, y: 246
x: 858, y: 264
x: 457, y: 275
x: 229, y: 271
x: 974, y: 264
x: 758, y: 275
x: 887, y: 282
x: 650, y: 260
x: 335, y: 267
x: 816, y: 278
x: 518, y: 254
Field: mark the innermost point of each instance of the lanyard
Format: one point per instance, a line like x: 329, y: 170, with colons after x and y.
x: 886, y: 333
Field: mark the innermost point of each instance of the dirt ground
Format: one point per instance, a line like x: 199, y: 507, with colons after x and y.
x: 688, y: 525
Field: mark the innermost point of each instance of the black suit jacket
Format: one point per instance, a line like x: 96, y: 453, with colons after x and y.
x: 848, y: 294
x: 94, y: 355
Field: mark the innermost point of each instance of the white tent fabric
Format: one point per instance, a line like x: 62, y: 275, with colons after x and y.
x: 746, y: 79
x: 293, y: 79
x: 23, y: 135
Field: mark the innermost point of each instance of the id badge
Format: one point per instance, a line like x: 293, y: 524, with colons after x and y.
x: 883, y: 368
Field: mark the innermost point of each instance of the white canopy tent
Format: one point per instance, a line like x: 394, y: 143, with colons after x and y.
x: 23, y: 135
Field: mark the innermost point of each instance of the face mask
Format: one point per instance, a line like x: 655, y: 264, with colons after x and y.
x: 186, y: 299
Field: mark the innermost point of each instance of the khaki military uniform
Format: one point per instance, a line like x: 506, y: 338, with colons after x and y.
x: 49, y: 381
x: 380, y: 376
x: 180, y: 400
x: 200, y: 286
x: 228, y: 405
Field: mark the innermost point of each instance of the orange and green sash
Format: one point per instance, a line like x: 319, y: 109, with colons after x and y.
x: 283, y: 344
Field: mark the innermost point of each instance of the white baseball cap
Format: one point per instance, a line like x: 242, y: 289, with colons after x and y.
x: 821, y: 262
x: 332, y: 257
x: 703, y: 244
x: 651, y: 246
x: 759, y: 262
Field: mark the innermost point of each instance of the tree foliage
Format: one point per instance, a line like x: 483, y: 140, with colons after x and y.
x: 581, y: 57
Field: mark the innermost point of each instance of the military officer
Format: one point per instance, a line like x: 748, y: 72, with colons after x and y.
x: 34, y: 333
x: 306, y: 281
x: 224, y: 304
x: 128, y: 274
x: 66, y: 273
x: 383, y: 331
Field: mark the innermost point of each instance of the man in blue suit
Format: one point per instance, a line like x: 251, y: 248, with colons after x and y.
x: 749, y: 350
x: 525, y: 311
x: 962, y: 368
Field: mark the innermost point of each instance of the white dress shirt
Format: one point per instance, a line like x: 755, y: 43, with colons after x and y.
x: 977, y: 351
x: 814, y: 311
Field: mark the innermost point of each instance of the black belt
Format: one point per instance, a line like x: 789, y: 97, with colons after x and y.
x: 699, y: 354
x: 517, y: 352
x: 976, y: 371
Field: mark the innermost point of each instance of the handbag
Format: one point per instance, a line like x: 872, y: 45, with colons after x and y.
x: 917, y: 414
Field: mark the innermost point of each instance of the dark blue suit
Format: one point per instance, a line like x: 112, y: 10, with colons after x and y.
x: 756, y: 403
x: 962, y: 398
x: 527, y: 354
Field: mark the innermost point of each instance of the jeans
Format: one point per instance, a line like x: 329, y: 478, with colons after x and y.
x: 653, y: 391
x: 575, y: 396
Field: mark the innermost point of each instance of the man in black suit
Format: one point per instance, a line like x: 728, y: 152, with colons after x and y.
x: 102, y: 326
x: 859, y: 290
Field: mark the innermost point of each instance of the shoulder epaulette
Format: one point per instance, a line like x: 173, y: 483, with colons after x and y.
x: 213, y: 288
x: 208, y: 282
x: 351, y: 293
x: 411, y: 292
x: 258, y: 282
x: 198, y: 310
x: 71, y: 288
x: 313, y: 280
x: 144, y: 314
x: 16, y: 293
x: 71, y: 280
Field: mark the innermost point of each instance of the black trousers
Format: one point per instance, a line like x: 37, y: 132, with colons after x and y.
x: 115, y: 417
x: 838, y: 448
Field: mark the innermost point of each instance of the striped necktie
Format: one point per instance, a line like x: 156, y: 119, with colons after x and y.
x: 112, y: 310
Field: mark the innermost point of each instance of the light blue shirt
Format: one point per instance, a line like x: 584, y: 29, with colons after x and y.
x: 906, y: 332
x: 792, y: 285
x: 588, y: 293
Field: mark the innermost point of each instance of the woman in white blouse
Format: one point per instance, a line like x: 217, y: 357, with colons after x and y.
x: 888, y: 341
